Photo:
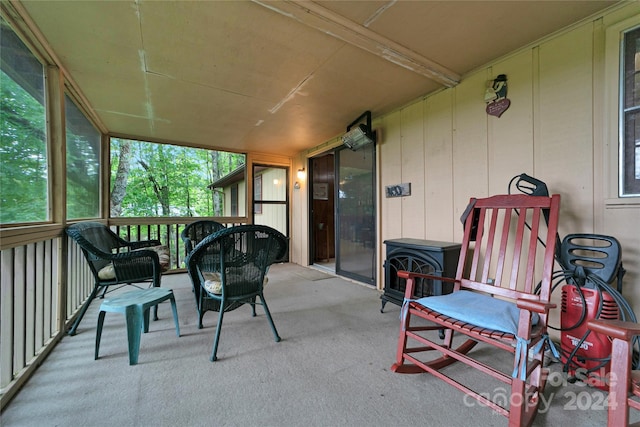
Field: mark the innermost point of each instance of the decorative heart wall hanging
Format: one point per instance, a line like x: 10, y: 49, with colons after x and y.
x: 496, y: 96
x: 496, y: 108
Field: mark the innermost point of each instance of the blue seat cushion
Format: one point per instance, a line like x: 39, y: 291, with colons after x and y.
x: 478, y: 309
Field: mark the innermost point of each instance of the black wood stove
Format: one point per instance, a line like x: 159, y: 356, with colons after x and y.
x: 420, y: 256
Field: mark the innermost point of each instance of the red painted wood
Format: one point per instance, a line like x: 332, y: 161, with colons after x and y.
x: 624, y: 384
x: 490, y: 262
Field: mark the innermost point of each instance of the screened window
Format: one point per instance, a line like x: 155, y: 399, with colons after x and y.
x: 23, y: 135
x: 630, y: 146
x: 83, y: 164
x: 150, y: 179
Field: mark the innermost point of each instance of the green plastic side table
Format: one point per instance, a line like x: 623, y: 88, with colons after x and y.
x: 135, y: 305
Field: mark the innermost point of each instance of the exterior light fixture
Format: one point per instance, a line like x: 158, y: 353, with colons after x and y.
x: 360, y: 135
x: 302, y: 174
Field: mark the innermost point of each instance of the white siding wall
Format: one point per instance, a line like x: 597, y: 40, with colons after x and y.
x: 559, y: 129
x: 242, y: 200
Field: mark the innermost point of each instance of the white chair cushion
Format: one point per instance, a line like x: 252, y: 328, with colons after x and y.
x: 107, y: 272
x: 213, y: 283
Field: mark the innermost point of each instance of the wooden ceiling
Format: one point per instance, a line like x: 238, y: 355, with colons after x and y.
x: 277, y: 76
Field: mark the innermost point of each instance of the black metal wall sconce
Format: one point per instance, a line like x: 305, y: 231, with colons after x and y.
x: 360, y: 135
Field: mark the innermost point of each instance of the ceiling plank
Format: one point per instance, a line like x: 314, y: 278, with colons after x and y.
x: 330, y: 23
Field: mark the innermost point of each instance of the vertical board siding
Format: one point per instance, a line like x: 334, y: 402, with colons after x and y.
x: 7, y: 316
x: 28, y: 303
x: 438, y: 164
x: 564, y: 146
x: 510, y: 136
x: 412, y: 171
x: 52, y: 290
x: 470, y: 169
x: 19, y: 321
x: 390, y: 173
x: 79, y: 279
x: 39, y: 326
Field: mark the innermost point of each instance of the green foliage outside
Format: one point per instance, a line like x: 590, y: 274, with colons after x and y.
x: 23, y: 155
x: 167, y: 180
x: 83, y: 165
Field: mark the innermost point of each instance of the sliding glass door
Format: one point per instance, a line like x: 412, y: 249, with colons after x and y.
x: 355, y: 221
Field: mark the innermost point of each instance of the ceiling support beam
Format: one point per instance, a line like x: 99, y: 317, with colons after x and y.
x: 322, y: 19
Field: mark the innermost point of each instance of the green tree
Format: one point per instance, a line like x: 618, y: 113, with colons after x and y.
x: 166, y: 180
x: 119, y: 181
x: 83, y: 164
x: 23, y: 155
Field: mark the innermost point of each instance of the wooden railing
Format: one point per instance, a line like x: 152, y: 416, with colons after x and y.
x: 29, y: 305
x: 45, y: 280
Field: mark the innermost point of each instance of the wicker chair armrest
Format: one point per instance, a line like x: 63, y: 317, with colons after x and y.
x: 143, y: 244
x: 134, y: 256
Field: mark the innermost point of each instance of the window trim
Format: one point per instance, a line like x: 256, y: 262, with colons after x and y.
x: 622, y: 125
x: 613, y: 126
x: 15, y: 75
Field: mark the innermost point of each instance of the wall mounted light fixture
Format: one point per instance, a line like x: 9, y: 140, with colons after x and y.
x: 360, y: 135
x: 302, y: 174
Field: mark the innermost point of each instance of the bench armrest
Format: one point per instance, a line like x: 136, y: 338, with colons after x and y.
x: 535, y: 306
x: 615, y: 328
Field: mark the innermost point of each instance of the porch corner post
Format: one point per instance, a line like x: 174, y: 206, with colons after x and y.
x: 57, y: 147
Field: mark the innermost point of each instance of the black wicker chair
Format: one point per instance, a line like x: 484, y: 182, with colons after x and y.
x: 195, y: 232
x: 115, y: 261
x: 228, y: 270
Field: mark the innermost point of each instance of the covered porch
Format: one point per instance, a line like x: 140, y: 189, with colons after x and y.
x: 332, y: 368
